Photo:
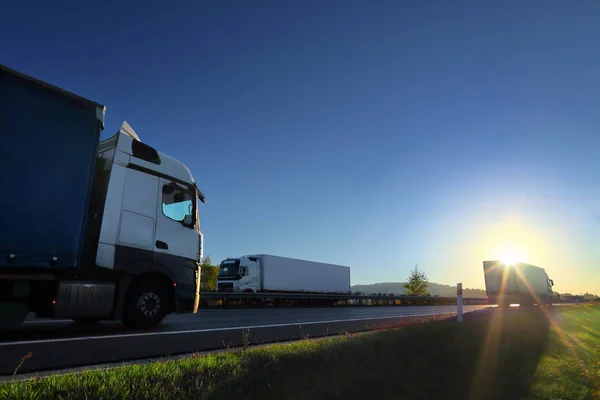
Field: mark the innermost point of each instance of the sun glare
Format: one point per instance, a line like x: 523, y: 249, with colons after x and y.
x: 510, y: 260
x: 510, y: 255
x: 513, y: 240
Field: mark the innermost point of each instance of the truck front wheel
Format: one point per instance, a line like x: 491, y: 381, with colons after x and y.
x: 146, y: 305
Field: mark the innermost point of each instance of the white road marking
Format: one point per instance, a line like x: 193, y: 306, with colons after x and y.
x: 180, y: 332
x: 171, y: 318
x: 54, y: 321
x: 62, y: 321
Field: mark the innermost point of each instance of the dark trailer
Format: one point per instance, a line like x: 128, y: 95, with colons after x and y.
x: 48, y: 145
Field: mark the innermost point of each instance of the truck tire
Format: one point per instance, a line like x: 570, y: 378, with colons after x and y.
x: 146, y: 305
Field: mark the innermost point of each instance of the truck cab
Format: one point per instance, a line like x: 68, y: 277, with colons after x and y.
x: 240, y: 274
x: 149, y: 225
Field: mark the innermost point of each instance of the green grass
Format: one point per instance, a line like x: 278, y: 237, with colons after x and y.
x: 510, y: 354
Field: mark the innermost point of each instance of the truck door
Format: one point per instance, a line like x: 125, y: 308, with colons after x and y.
x: 249, y: 276
x: 176, y: 240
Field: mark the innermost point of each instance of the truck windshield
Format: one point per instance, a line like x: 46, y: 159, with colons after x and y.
x: 229, y: 269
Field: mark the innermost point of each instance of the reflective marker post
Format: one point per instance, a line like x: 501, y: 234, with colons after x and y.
x: 459, y: 303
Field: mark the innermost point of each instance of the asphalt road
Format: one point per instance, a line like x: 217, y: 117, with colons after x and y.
x: 62, y: 344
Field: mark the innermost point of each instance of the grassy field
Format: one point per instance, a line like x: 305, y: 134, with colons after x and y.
x: 510, y: 354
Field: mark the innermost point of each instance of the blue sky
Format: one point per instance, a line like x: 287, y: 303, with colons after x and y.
x: 372, y: 134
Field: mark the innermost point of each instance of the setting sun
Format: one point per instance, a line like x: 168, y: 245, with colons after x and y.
x: 512, y: 241
x: 510, y: 254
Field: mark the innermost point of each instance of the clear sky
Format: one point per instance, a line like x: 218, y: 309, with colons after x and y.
x: 375, y: 134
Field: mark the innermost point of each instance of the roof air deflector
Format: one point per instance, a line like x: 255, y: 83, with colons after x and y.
x: 128, y: 130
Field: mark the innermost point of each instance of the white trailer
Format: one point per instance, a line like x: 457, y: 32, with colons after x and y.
x: 268, y: 273
x: 521, y: 283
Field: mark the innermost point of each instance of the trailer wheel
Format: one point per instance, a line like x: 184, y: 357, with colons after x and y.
x: 146, y: 305
x: 503, y: 304
x: 528, y: 302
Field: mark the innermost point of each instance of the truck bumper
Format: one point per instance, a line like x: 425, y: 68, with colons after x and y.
x: 187, y: 296
x: 504, y: 299
x: 186, y: 299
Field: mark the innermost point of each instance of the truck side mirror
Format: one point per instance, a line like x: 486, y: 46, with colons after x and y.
x: 188, y: 221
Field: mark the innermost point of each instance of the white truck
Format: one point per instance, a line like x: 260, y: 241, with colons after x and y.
x: 90, y: 230
x: 268, y: 273
x: 520, y: 283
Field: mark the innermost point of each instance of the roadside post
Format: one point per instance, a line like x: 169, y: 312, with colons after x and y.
x: 459, y: 302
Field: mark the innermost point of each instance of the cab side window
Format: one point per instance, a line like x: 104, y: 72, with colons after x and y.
x: 178, y: 204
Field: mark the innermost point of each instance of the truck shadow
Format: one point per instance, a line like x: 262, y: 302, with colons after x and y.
x: 509, y: 353
x: 493, y: 354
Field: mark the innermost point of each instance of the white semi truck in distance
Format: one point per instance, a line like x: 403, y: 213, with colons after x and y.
x: 90, y: 230
x: 269, y: 273
x: 520, y: 283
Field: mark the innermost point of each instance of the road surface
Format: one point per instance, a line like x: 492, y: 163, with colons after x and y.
x: 62, y: 344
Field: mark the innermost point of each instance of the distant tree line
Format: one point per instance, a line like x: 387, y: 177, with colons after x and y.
x: 567, y: 296
x: 417, y: 285
x: 434, y: 289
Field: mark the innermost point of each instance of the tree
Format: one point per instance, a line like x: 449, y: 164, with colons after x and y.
x: 556, y: 296
x: 417, y: 283
x: 206, y: 261
x: 209, y: 275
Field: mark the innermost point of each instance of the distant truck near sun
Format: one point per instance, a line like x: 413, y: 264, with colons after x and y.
x: 517, y: 283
